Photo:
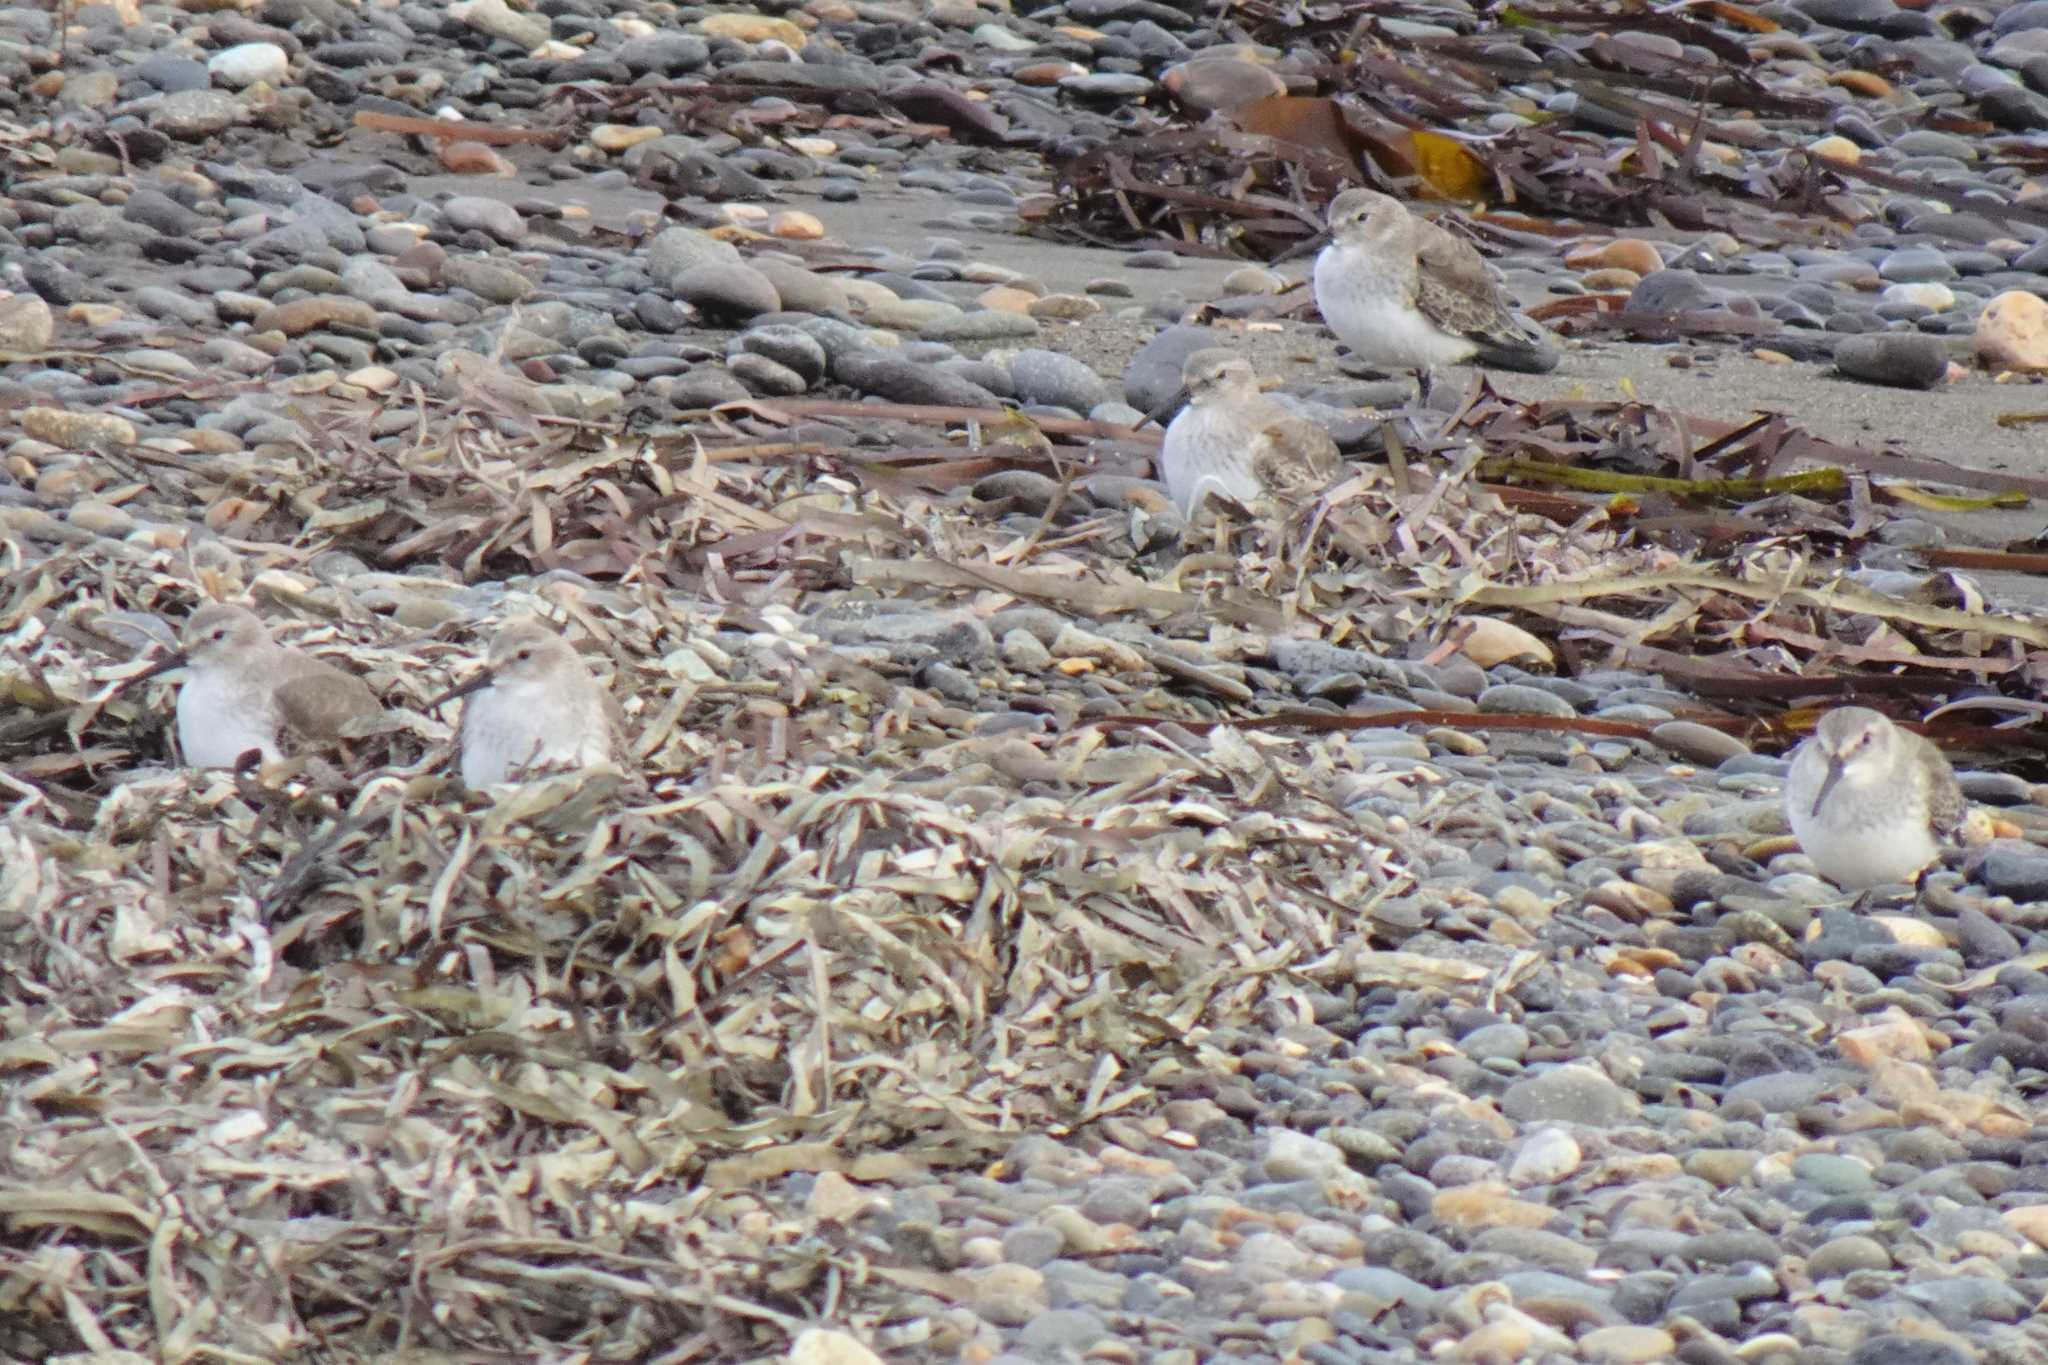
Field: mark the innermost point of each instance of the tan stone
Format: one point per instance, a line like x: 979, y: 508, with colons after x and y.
x: 1063, y: 308
x: 25, y: 323
x: 1610, y: 280
x: 1487, y: 641
x: 2029, y: 1221
x: 1046, y: 73
x: 2012, y: 332
x: 1623, y: 253
x: 617, y: 137
x: 1835, y: 147
x: 1626, y: 1345
x: 1488, y: 1205
x: 307, y: 315
x: 77, y: 430
x: 1004, y: 299
x: 1892, y: 1035
x: 793, y: 225
x: 473, y: 158
x: 1867, y: 83
x: 823, y: 1346
x: 752, y: 28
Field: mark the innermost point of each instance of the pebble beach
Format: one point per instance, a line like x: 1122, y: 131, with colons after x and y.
x: 1019, y: 927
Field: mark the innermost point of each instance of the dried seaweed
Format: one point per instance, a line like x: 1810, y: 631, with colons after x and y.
x: 1633, y: 139
x: 344, y: 1059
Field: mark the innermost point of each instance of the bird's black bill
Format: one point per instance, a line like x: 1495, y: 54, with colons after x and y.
x: 1827, y: 784
x: 476, y: 684
x: 170, y: 663
x: 1308, y: 246
x: 1164, y: 412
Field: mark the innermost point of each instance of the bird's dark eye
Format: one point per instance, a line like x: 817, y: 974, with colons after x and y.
x: 524, y: 654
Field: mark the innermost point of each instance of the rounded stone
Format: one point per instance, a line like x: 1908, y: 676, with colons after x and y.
x: 1546, y: 1158
x: 493, y: 217
x: 190, y: 115
x: 1626, y: 1344
x: 1915, y: 264
x: 801, y: 290
x: 1212, y: 84
x: 1008, y: 1295
x: 311, y: 314
x: 247, y: 64
x: 1056, y: 380
x: 727, y: 291
x: 1297, y: 1156
x: 788, y: 347
x: 1846, y: 1255
x: 1906, y: 360
x: 1930, y: 294
x: 676, y: 249
x: 26, y: 323
x: 766, y: 377
x: 1519, y: 699
x: 1569, y: 1094
x: 2012, y: 332
x: 1698, y: 743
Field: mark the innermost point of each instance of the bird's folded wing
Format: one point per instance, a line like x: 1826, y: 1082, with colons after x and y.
x: 614, y: 722
x: 1292, y: 458
x: 1455, y: 290
x: 1946, y: 807
x: 316, y: 702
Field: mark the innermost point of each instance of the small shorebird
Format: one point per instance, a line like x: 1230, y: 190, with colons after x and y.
x: 1404, y: 294
x: 1871, y: 804
x: 246, y: 691
x: 1232, y: 441
x: 533, y: 707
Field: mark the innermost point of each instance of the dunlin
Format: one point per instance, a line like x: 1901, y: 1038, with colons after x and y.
x: 1404, y: 294
x: 246, y: 691
x: 1233, y: 441
x: 1871, y: 804
x: 533, y: 707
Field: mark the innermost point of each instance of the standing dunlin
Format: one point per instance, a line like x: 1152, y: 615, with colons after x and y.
x: 1233, y: 441
x: 247, y: 692
x: 1404, y: 294
x: 1871, y: 804
x: 535, y: 706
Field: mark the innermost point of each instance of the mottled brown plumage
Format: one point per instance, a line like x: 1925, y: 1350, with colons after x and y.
x: 245, y: 691
x: 1405, y: 294
x: 1235, y: 442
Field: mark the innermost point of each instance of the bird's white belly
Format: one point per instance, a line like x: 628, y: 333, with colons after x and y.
x: 218, y: 724
x: 509, y: 730
x: 1378, y: 321
x: 1865, y: 853
x: 1206, y: 452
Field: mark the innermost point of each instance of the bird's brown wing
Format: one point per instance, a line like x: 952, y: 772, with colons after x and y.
x: 615, y: 723
x: 1455, y: 290
x: 318, y: 699
x: 1293, y: 460
x: 1947, y: 808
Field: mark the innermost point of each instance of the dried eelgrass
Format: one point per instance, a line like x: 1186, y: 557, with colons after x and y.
x: 336, y: 1058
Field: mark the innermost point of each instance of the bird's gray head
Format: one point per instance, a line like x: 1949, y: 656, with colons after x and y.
x: 527, y: 651
x: 1858, y: 744
x: 1215, y: 373
x: 522, y: 652
x: 218, y: 630
x: 1357, y: 212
